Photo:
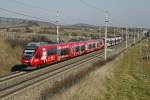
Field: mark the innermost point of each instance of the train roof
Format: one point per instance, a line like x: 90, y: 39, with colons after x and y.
x: 35, y: 45
x: 77, y: 40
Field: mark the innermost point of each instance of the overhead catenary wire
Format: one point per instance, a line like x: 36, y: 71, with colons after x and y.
x: 92, y: 6
x: 46, y: 11
x: 26, y: 15
x: 34, y: 6
x: 102, y: 11
x: 54, y: 18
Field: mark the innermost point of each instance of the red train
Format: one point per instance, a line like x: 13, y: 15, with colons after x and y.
x: 39, y: 53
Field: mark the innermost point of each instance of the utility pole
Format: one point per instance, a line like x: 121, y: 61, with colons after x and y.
x: 100, y: 35
x: 57, y: 22
x: 142, y: 30
x: 126, y: 37
x: 122, y: 34
x: 134, y: 36
x: 114, y: 32
x: 141, y: 33
x: 138, y: 34
x: 106, y: 25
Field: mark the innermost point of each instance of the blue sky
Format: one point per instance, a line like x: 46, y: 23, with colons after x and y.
x: 134, y: 13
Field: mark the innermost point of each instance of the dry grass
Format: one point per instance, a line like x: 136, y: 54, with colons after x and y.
x: 8, y: 57
x: 87, y: 84
x: 131, y: 77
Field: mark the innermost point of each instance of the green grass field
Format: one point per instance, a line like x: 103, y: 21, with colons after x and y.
x: 131, y: 77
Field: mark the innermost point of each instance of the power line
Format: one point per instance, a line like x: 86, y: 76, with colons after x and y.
x: 18, y: 13
x: 46, y: 11
x: 33, y: 6
x: 92, y: 6
x: 99, y: 9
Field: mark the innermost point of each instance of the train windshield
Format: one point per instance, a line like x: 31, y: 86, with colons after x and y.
x: 28, y: 54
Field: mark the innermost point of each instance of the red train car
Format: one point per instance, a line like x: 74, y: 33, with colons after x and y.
x: 64, y: 51
x: 78, y: 48
x: 37, y: 53
x: 92, y: 45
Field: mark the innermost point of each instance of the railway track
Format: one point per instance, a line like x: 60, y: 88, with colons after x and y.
x: 39, y: 78
x: 11, y: 75
x: 20, y: 80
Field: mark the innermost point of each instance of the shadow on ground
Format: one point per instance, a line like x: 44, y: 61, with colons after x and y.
x: 17, y: 68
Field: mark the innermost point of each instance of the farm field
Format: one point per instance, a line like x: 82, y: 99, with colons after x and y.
x: 125, y: 78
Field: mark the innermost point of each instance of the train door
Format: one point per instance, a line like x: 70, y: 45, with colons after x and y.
x: 86, y: 46
x: 96, y: 45
x: 72, y: 54
x: 64, y: 52
x: 52, y: 55
x: 100, y: 44
x: 83, y: 48
x: 93, y: 46
x: 77, y: 50
x: 89, y: 47
x: 37, y: 58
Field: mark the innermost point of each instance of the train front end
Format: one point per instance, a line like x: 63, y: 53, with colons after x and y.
x: 28, y: 55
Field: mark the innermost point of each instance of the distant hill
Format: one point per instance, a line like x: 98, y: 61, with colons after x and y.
x: 16, y: 22
x: 84, y: 25
x: 81, y: 25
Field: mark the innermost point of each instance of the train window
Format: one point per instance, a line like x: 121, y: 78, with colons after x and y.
x: 98, y: 44
x: 77, y: 48
x: 82, y: 48
x: 101, y: 42
x: 28, y: 54
x: 111, y: 42
x: 94, y: 46
x: 37, y: 55
x: 64, y: 51
x: 90, y: 46
x: 52, y: 51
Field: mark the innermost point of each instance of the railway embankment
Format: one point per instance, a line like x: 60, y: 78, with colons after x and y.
x: 125, y: 78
